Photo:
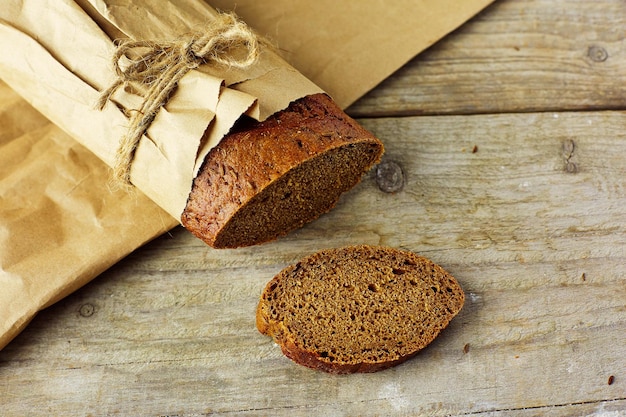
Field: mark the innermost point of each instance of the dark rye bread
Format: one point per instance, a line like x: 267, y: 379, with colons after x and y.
x: 266, y: 179
x: 358, y: 308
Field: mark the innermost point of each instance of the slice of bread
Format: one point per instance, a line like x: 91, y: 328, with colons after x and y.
x: 267, y: 178
x: 358, y: 308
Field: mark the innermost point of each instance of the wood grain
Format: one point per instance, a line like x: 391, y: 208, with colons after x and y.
x: 520, y: 198
x: 538, y: 249
x: 515, y: 56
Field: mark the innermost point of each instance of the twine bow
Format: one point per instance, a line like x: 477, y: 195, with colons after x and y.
x: 159, y: 66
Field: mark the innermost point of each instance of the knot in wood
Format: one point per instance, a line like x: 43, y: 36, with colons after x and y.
x: 597, y: 53
x: 87, y: 310
x: 389, y: 177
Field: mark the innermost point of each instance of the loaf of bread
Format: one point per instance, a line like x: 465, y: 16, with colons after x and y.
x: 267, y: 178
x: 358, y: 308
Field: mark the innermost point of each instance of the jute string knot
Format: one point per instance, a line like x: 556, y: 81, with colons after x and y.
x: 159, y: 66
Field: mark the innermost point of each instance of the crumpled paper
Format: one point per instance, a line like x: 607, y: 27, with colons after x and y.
x: 60, y: 222
x: 61, y: 64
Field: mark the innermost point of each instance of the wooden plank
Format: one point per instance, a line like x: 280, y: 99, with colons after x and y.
x: 516, y: 56
x: 531, y: 222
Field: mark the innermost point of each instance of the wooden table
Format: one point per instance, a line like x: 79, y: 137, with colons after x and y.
x: 511, y: 137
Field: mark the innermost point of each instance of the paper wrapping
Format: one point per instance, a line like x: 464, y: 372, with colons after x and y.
x: 60, y: 223
x: 348, y: 47
x: 61, y: 62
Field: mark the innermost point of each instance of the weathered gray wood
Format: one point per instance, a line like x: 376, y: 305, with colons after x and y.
x: 538, y: 247
x: 515, y: 56
x: 525, y: 204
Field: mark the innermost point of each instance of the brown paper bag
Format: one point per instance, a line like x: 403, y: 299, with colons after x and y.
x: 348, y: 47
x: 62, y: 71
x: 61, y: 225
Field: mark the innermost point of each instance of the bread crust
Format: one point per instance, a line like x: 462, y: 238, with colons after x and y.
x: 331, y: 270
x: 264, y: 180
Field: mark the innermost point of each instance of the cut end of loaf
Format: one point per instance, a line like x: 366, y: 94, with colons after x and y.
x: 265, y: 180
x: 358, y: 308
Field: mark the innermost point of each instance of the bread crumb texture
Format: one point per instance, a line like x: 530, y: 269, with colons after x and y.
x: 358, y: 308
x: 268, y: 178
